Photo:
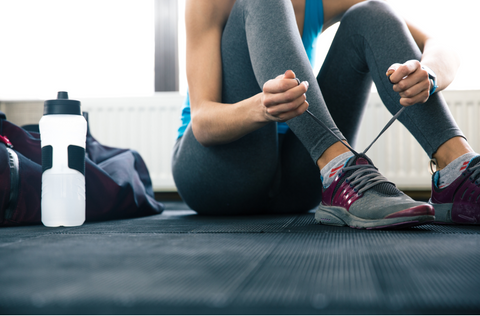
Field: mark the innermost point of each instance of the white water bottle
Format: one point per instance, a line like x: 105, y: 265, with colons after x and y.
x: 63, y: 132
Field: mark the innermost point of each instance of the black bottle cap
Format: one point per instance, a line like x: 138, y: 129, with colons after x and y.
x: 62, y: 105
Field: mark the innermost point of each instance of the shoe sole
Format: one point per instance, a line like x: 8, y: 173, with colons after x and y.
x: 339, y: 216
x: 443, y: 215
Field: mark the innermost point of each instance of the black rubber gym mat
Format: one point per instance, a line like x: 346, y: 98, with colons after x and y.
x: 181, y: 263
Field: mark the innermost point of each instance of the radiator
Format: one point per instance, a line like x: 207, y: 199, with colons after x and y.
x: 149, y: 125
x: 146, y: 124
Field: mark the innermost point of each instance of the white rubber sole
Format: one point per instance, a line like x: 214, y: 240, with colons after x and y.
x: 339, y: 216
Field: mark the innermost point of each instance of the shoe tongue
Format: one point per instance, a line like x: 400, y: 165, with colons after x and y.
x: 361, y: 159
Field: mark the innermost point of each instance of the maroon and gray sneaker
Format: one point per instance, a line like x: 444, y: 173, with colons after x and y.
x: 361, y: 197
x: 459, y: 202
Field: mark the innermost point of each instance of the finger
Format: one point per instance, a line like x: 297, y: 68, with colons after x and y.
x: 294, y: 113
x: 285, y: 116
x: 286, y: 105
x: 278, y: 109
x: 274, y: 87
x: 420, y: 97
x: 290, y: 95
x: 404, y: 70
x: 420, y: 76
x: 415, y: 90
x: 279, y: 85
x: 289, y: 74
x: 391, y: 70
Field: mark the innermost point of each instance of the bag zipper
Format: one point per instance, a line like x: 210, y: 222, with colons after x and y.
x: 6, y: 141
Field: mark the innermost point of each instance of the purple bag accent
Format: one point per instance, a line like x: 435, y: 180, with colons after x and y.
x: 463, y: 194
x: 117, y: 181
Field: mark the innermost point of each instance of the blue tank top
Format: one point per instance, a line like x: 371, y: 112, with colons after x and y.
x: 312, y: 27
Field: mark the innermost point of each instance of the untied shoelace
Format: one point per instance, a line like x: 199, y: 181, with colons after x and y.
x: 476, y: 173
x: 365, y: 176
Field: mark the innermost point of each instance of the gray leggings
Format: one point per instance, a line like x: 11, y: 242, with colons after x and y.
x: 264, y: 172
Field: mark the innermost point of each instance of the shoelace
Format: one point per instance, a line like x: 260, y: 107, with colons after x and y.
x: 476, y: 173
x: 345, y: 144
x: 365, y: 176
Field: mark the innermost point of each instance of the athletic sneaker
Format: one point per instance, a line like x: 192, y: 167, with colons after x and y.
x: 361, y: 197
x: 459, y: 202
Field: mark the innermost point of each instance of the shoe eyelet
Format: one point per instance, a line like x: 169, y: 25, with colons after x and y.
x: 464, y: 174
x: 346, y: 180
x: 360, y: 194
x: 351, y: 185
x: 355, y: 190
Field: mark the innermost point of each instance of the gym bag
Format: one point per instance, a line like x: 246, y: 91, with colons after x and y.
x: 117, y: 181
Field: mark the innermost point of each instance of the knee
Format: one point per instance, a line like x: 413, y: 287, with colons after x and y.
x: 263, y: 4
x: 266, y: 8
x: 368, y: 12
x: 367, y: 8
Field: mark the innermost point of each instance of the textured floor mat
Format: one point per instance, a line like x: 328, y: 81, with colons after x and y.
x: 181, y: 263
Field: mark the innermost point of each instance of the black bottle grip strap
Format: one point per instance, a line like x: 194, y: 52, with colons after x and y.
x: 76, y: 158
x: 47, y: 158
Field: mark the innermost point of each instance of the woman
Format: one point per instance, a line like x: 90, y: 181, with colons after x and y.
x: 236, y: 155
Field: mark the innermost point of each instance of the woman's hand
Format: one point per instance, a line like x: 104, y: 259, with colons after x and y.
x: 284, y: 98
x: 411, y: 82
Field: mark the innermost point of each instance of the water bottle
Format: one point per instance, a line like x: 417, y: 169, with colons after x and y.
x: 63, y: 132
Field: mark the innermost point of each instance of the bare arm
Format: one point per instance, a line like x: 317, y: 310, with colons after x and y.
x: 214, y: 122
x: 211, y: 120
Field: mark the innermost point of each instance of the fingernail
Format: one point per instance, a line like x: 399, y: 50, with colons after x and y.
x: 306, y: 84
